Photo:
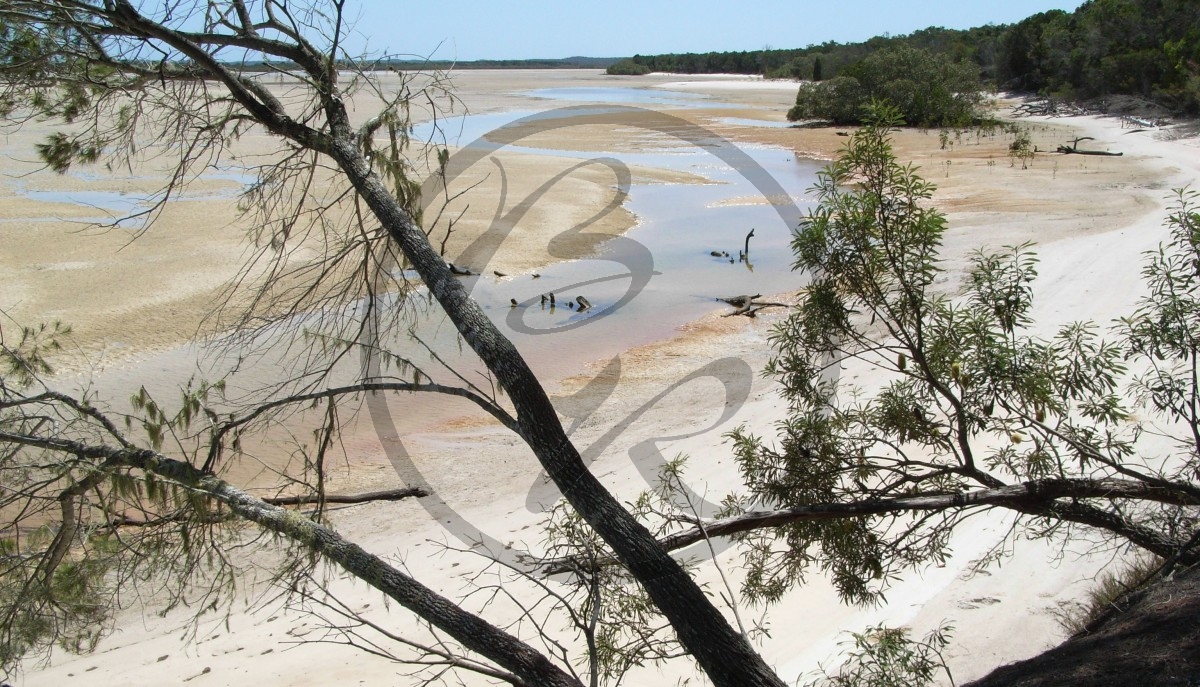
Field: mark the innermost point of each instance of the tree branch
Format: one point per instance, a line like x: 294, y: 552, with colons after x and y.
x: 1035, y: 498
x: 348, y: 499
x: 367, y: 387
x: 470, y: 630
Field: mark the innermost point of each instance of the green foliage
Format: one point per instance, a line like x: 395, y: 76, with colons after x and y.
x: 59, y: 152
x: 23, y: 362
x: 70, y: 610
x: 977, y: 45
x: 743, y: 62
x: 627, y: 68
x: 840, y: 100
x: 887, y: 657
x: 928, y: 89
x: 1165, y: 328
x: 1149, y: 48
x: 1021, y: 148
x: 964, y: 396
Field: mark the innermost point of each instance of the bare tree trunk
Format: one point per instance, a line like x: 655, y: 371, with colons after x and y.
x: 722, y: 652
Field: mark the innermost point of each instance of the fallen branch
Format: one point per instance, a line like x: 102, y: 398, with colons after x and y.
x: 1049, y: 108
x: 349, y: 499
x: 1073, y: 149
x: 738, y: 301
x: 748, y: 306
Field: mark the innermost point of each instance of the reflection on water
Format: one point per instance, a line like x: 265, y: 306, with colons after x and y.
x: 741, y: 121
x: 462, y: 129
x: 112, y: 203
x: 113, y: 206
x: 629, y: 96
x: 680, y: 227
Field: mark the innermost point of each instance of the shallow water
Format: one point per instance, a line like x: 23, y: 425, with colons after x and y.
x: 680, y: 226
x: 122, y: 207
x: 742, y: 121
x: 642, y: 286
x: 629, y: 96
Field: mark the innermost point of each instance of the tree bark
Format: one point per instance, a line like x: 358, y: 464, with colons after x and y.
x: 347, y: 499
x: 724, y: 654
x: 1040, y: 498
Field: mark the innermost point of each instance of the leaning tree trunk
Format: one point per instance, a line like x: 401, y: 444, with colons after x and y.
x: 724, y: 654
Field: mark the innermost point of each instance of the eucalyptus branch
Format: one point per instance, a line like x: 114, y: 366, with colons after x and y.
x: 1037, y: 497
x: 470, y: 630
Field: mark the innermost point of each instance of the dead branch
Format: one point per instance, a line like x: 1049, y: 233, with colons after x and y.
x: 1073, y: 149
x: 349, y: 499
x: 1049, y: 108
x: 748, y: 306
x: 738, y: 301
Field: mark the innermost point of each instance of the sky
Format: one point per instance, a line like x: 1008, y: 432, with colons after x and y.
x: 503, y: 29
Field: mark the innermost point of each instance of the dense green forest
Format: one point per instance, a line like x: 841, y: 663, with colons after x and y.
x: 928, y: 89
x: 1147, y: 48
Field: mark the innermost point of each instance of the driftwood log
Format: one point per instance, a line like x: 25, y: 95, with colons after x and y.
x: 748, y: 305
x: 1049, y: 108
x: 1073, y: 149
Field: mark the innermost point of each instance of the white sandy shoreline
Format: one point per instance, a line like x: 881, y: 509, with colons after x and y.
x: 1001, y: 615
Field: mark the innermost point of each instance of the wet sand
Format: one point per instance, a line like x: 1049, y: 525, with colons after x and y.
x: 1089, y: 216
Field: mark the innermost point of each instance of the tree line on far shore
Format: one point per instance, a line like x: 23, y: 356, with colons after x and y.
x: 1144, y: 48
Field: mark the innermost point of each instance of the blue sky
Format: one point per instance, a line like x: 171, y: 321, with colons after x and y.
x: 499, y: 29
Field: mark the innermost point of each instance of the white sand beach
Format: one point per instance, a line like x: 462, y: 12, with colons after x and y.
x: 1091, y: 218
